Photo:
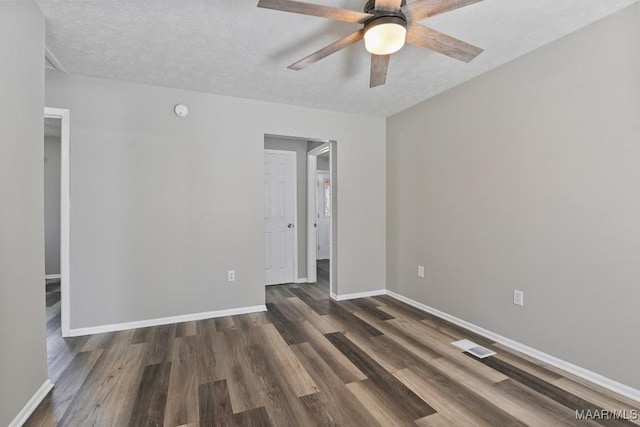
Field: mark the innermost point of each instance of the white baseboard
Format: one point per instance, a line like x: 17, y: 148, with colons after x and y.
x: 301, y: 280
x: 578, y: 371
x: 32, y: 404
x: 345, y: 297
x: 164, y: 321
x: 52, y: 276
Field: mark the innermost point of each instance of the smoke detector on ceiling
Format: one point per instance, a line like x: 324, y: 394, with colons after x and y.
x: 181, y: 110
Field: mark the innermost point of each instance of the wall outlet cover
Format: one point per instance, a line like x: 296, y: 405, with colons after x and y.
x: 518, y: 297
x: 421, y: 271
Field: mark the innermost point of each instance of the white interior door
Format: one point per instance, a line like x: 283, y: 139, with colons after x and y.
x: 279, y: 214
x: 323, y: 193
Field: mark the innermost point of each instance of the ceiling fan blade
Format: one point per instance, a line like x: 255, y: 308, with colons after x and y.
x: 315, y: 10
x: 388, y: 4
x: 421, y: 9
x: 379, y: 66
x: 328, y: 50
x: 441, y: 43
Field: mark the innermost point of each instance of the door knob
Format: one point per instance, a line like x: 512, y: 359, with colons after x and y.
x: 289, y: 225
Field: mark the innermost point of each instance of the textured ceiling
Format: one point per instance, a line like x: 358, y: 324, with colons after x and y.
x: 231, y: 47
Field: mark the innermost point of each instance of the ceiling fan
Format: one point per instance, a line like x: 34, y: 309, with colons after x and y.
x: 387, y: 24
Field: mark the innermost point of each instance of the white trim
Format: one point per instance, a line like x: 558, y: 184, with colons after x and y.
x: 295, y: 138
x: 294, y: 221
x: 320, y: 149
x: 301, y: 280
x: 311, y: 218
x: 54, y: 61
x: 32, y: 404
x: 65, y: 216
x: 166, y: 320
x: 295, y: 216
x: 312, y: 207
x: 52, y: 276
x: 333, y: 245
x: 578, y: 371
x: 345, y: 297
x: 333, y: 296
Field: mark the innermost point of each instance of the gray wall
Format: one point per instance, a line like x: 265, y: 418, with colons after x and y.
x: 52, y: 205
x: 528, y: 177
x: 162, y: 207
x: 23, y: 359
x: 300, y: 148
x: 323, y: 163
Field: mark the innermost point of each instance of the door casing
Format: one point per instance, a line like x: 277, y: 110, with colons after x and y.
x: 312, y: 244
x: 65, y: 216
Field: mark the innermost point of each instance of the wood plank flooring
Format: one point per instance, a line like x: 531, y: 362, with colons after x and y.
x: 308, y: 361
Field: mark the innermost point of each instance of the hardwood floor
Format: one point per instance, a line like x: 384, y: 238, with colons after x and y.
x: 307, y: 361
x: 323, y: 270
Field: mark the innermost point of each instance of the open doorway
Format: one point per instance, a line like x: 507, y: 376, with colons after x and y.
x: 56, y: 218
x: 52, y: 134
x: 299, y: 204
x: 52, y: 222
x: 321, y: 208
x: 323, y: 218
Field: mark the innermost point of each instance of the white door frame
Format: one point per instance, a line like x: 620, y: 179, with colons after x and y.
x: 312, y: 170
x: 65, y: 217
x: 295, y: 205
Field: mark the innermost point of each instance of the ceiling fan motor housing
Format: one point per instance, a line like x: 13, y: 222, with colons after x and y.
x: 370, y: 5
x: 383, y: 16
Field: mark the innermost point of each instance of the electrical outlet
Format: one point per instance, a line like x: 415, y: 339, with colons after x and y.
x: 518, y: 297
x: 231, y: 276
x: 421, y: 271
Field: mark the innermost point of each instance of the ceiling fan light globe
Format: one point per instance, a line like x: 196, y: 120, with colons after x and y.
x: 385, y: 39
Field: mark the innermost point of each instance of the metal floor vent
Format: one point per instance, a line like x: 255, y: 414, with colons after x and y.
x: 473, y: 348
